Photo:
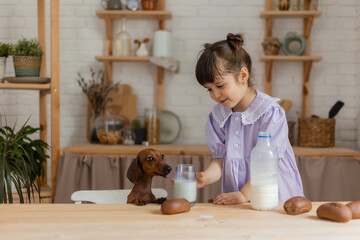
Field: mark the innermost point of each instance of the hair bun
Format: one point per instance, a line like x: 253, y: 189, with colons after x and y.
x: 207, y: 45
x: 235, y: 41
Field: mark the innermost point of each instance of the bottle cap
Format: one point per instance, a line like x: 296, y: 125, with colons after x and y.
x: 264, y: 135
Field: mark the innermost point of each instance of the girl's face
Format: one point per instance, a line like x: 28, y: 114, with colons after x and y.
x: 229, y: 90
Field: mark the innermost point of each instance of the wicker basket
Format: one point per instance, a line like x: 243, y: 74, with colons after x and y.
x: 27, y: 66
x: 316, y: 132
x: 291, y: 125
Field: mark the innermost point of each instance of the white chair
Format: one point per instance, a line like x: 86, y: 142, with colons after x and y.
x: 109, y: 196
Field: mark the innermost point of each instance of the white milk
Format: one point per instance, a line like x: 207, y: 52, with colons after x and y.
x: 264, y: 197
x: 185, y: 189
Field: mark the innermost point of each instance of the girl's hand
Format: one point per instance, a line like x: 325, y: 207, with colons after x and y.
x: 200, y: 179
x: 229, y: 198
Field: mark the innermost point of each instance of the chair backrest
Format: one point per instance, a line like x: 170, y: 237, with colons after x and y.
x: 109, y: 196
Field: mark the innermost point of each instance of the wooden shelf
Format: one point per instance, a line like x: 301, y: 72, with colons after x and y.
x: 307, y: 60
x: 118, y: 14
x: 25, y: 86
x: 109, y: 17
x: 290, y: 14
x: 290, y: 58
x: 123, y: 59
x: 169, y: 149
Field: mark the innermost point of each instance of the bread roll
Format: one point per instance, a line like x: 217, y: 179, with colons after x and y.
x: 175, y: 206
x: 297, y: 205
x: 354, y: 208
x: 334, y: 211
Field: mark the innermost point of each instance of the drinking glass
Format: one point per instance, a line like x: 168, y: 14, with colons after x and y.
x: 185, y: 182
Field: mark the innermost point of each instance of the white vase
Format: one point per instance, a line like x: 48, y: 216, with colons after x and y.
x: 2, y: 68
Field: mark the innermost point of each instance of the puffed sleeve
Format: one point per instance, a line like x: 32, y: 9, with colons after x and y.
x: 215, y: 138
x: 274, y: 121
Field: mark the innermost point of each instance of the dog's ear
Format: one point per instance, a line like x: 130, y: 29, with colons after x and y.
x: 134, y: 172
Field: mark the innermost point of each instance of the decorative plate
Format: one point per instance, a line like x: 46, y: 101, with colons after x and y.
x: 27, y: 79
x: 170, y: 126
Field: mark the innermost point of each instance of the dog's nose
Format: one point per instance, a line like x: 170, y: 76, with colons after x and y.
x: 167, y: 169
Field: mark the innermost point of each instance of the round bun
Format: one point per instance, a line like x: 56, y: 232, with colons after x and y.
x: 235, y: 41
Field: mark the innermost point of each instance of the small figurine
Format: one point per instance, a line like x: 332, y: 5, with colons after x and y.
x: 142, y: 50
x: 271, y: 45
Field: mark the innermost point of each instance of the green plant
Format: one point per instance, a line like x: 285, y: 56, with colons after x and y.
x: 136, y: 124
x: 27, y: 47
x: 4, y: 49
x: 22, y: 162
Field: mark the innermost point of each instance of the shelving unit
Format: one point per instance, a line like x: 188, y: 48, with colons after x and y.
x: 308, y: 15
x: 44, y: 89
x: 109, y: 16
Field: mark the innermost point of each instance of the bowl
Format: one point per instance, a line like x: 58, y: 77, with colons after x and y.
x: 109, y: 129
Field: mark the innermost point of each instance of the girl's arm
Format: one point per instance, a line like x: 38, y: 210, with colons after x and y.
x: 211, y: 174
x: 246, y: 192
x: 241, y: 196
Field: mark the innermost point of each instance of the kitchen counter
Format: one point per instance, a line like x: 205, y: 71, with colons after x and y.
x: 127, y: 221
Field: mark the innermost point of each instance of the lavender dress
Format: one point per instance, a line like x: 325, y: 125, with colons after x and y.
x: 232, y: 135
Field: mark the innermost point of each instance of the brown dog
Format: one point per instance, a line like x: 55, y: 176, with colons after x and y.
x: 149, y: 163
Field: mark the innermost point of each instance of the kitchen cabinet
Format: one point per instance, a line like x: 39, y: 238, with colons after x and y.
x: 45, y: 89
x: 308, y: 18
x: 109, y: 16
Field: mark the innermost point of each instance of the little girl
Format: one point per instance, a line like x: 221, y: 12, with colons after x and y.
x: 224, y: 69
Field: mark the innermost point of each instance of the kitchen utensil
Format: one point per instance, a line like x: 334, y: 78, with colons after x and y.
x: 285, y: 104
x: 170, y: 126
x: 335, y: 109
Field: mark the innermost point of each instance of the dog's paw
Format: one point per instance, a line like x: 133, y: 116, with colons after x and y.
x: 160, y: 200
x: 140, y: 202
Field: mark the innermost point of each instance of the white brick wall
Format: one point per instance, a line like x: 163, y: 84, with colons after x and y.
x: 335, y: 36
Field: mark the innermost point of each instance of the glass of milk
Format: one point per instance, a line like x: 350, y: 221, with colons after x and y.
x: 185, y: 182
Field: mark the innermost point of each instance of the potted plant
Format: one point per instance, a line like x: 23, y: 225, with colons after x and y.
x: 4, y: 53
x: 27, y: 55
x: 22, y: 162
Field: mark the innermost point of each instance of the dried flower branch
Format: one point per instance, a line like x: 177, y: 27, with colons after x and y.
x: 97, y: 89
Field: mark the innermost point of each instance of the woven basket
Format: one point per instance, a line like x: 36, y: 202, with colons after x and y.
x: 27, y: 66
x: 291, y: 125
x: 316, y: 132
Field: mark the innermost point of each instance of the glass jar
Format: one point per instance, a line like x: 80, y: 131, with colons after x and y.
x: 149, y: 4
x: 122, y: 41
x: 128, y: 136
x: 152, y: 125
x: 109, y: 129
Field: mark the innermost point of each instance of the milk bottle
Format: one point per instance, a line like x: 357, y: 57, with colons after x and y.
x: 264, y: 174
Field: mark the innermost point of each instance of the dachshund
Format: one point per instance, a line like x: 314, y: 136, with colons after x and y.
x: 149, y: 163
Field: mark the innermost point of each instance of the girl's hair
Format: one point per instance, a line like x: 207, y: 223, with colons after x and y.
x: 223, y: 57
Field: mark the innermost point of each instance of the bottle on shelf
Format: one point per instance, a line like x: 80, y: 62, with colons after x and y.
x: 264, y: 174
x: 122, y: 41
x: 152, y: 125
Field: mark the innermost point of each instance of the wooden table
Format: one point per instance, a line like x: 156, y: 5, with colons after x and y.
x: 204, y: 221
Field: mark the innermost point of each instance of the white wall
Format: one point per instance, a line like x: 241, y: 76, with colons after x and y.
x: 335, y: 36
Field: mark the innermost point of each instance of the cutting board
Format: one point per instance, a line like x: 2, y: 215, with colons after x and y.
x: 123, y: 103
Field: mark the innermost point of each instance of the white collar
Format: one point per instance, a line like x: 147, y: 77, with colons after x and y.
x: 257, y: 109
